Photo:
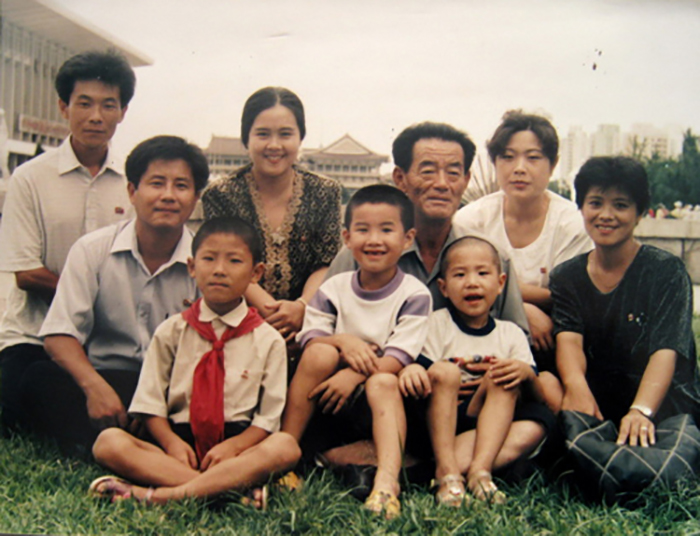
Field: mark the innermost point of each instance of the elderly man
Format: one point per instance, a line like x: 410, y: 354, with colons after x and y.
x: 432, y: 167
x: 119, y: 283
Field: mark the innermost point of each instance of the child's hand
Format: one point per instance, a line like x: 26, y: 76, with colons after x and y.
x: 336, y: 390
x: 220, y: 452
x: 357, y: 354
x: 286, y: 317
x: 181, y: 451
x: 470, y: 387
x: 509, y: 373
x: 414, y: 381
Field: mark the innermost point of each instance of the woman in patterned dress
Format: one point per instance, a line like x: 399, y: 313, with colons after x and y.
x: 297, y: 213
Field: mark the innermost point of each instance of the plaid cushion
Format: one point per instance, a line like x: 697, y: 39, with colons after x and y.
x: 617, y: 472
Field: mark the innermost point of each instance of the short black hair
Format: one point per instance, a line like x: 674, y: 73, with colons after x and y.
x: 468, y: 241
x: 621, y: 172
x: 269, y: 97
x: 382, y: 193
x: 167, y: 148
x: 109, y: 67
x: 515, y: 121
x: 402, y: 149
x: 230, y: 225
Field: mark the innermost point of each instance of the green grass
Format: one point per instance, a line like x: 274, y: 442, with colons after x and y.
x: 40, y: 492
x: 43, y: 493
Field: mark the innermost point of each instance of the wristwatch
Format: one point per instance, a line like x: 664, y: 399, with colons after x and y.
x: 644, y: 410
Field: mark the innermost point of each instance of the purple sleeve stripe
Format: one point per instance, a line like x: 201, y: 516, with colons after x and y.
x: 398, y: 354
x: 320, y: 302
x: 312, y: 334
x: 418, y: 305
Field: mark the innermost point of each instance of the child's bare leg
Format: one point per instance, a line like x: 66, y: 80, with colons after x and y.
x: 276, y: 454
x: 361, y: 452
x: 318, y: 362
x: 495, y: 419
x: 139, y: 461
x: 552, y: 391
x: 388, y: 429
x: 442, y: 415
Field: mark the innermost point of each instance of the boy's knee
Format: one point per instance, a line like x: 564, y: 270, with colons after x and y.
x: 319, y: 357
x: 444, y: 373
x: 108, y: 444
x: 284, y: 448
x: 380, y: 383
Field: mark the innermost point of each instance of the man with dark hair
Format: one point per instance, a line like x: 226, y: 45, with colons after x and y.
x: 54, y: 199
x: 432, y: 167
x: 119, y: 283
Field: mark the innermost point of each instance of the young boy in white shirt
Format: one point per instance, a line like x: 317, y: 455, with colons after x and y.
x: 211, y: 390
x: 463, y: 342
x: 363, y: 327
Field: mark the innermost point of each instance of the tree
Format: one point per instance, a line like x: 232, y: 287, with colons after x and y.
x: 675, y: 179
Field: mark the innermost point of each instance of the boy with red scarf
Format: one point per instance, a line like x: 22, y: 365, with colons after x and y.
x: 211, y: 391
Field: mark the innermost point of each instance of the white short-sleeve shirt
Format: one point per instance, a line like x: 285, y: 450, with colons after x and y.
x: 52, y: 200
x: 109, y: 301
x: 563, y: 235
x: 255, y: 384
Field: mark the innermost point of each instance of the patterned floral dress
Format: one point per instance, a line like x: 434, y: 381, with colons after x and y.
x: 309, y: 237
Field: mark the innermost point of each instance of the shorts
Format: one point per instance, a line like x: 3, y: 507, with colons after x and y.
x: 351, y: 424
x: 184, y: 431
x: 418, y: 437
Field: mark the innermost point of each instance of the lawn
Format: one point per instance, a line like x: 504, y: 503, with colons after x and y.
x: 43, y: 493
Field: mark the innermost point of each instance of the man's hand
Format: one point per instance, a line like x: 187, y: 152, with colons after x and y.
x: 541, y: 327
x: 509, y: 373
x: 181, y: 451
x: 414, y: 381
x: 357, y: 354
x: 286, y: 317
x: 105, y: 408
x: 335, y: 391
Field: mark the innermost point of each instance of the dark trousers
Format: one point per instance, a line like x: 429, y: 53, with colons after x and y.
x: 14, y: 362
x: 52, y: 405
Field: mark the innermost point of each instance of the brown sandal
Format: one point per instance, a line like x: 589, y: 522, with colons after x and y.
x: 482, y: 487
x: 450, y: 490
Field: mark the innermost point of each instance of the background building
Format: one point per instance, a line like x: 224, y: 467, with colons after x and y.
x: 346, y: 160
x: 36, y: 38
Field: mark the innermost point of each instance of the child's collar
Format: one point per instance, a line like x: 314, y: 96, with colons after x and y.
x: 379, y: 294
x: 479, y: 332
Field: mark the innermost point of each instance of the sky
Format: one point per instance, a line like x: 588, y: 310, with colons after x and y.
x: 372, y: 67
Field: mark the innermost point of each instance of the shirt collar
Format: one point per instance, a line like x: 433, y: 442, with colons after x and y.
x: 479, y: 332
x: 126, y: 241
x: 67, y: 161
x: 232, y: 319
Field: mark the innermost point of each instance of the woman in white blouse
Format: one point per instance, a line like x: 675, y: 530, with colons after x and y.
x: 537, y: 227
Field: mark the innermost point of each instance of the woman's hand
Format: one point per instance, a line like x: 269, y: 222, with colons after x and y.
x: 285, y: 316
x: 580, y: 398
x: 414, y: 381
x: 509, y: 373
x: 541, y: 327
x: 635, y: 429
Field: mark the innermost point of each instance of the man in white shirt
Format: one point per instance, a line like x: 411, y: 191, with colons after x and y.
x: 54, y: 199
x: 119, y: 283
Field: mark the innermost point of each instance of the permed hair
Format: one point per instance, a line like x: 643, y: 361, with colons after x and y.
x: 167, y: 148
x: 229, y: 225
x: 381, y: 193
x: 515, y: 121
x: 108, y: 67
x: 269, y: 97
x: 467, y: 241
x: 620, y: 172
x: 402, y: 149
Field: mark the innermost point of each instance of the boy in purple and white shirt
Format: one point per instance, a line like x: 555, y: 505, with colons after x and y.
x: 363, y: 327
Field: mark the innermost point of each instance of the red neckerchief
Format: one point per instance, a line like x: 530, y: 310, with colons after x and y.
x: 207, y: 406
